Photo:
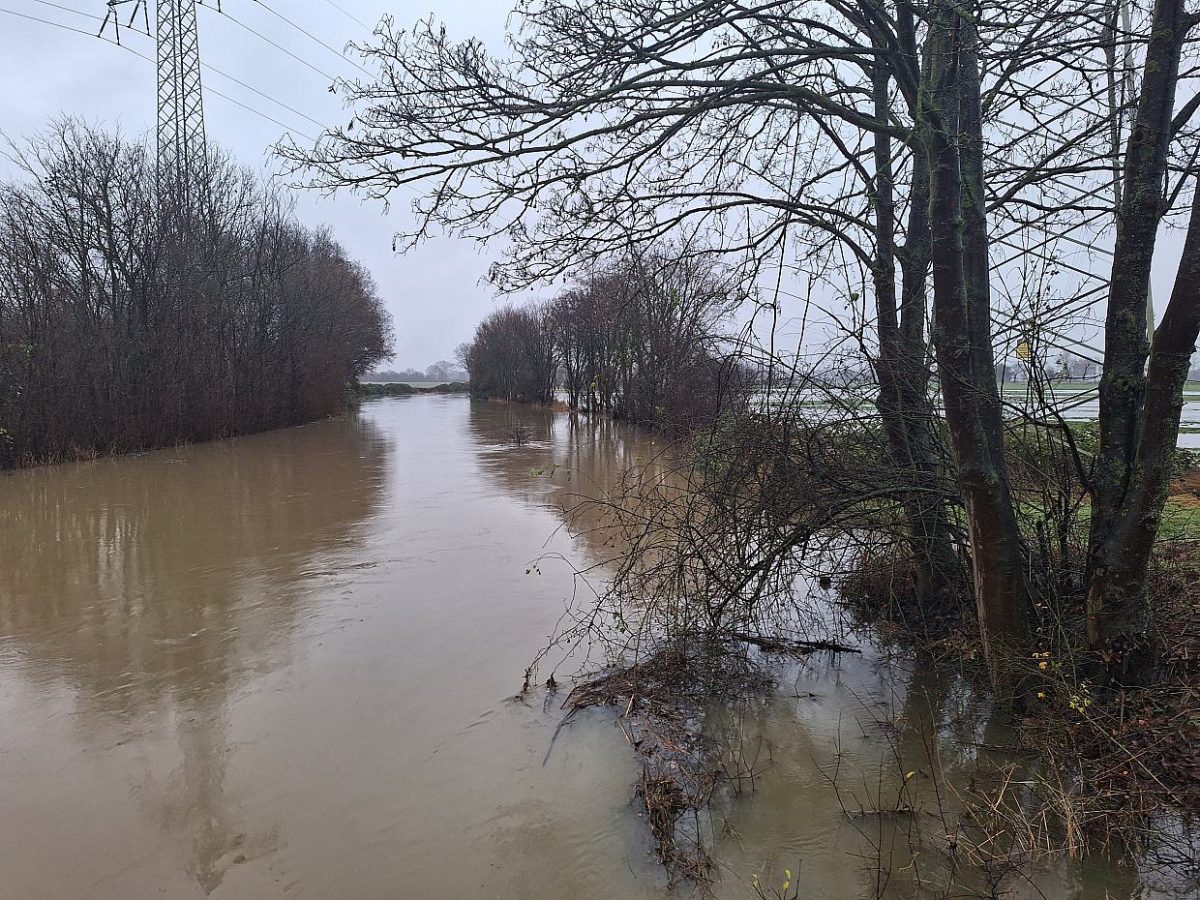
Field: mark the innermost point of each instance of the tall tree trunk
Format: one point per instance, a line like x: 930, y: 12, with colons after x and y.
x: 901, y: 371
x: 951, y: 127
x: 1118, y: 589
x: 1132, y: 466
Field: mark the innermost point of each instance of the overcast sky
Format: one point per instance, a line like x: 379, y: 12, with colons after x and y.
x: 435, y: 294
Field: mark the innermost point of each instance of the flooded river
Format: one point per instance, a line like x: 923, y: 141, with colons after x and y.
x: 282, y: 666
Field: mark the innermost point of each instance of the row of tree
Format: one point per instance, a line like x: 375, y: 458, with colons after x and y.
x: 442, y: 370
x: 135, y: 314
x: 639, y: 339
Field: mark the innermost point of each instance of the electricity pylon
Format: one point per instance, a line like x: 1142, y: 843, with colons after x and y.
x: 182, y: 151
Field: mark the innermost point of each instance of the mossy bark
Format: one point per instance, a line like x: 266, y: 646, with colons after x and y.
x: 902, y: 370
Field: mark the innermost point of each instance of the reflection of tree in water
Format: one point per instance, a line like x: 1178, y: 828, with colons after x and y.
x: 957, y: 743
x: 153, y: 586
x: 568, y: 460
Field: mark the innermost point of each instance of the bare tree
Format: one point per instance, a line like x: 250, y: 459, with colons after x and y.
x: 1140, y: 404
x: 512, y: 356
x: 639, y: 339
x: 131, y: 320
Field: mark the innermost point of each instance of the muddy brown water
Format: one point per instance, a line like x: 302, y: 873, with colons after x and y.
x: 281, y: 666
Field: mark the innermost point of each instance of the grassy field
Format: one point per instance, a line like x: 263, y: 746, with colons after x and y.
x: 1180, y: 521
x: 371, y: 389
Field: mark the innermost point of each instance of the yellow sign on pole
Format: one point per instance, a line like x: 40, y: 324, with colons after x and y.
x: 1024, y: 351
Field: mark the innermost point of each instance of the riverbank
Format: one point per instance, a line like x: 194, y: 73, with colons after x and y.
x: 1110, y: 767
x: 118, y: 447
x: 757, y: 541
x: 356, y: 392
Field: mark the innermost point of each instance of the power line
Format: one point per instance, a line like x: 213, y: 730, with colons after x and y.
x: 280, y: 47
x: 214, y: 69
x: 265, y: 96
x: 350, y: 16
x: 312, y: 36
x: 143, y: 56
x: 226, y: 97
x: 77, y: 12
x: 20, y: 15
x: 205, y: 65
x: 85, y: 15
x: 211, y: 68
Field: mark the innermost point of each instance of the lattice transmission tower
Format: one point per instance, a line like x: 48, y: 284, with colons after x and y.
x: 182, y: 151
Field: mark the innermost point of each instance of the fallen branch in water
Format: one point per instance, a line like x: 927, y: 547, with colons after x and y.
x: 662, y: 702
x: 775, y: 645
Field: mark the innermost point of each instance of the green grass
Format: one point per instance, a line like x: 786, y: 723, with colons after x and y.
x: 1180, y: 521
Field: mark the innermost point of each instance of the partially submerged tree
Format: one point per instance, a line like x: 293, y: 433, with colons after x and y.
x: 951, y: 131
x: 512, y: 356
x: 639, y: 339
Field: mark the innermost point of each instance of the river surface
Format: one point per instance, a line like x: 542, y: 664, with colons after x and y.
x: 282, y: 666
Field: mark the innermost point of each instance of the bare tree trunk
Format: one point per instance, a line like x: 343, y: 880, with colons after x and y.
x: 901, y: 371
x: 1137, y: 411
x: 962, y: 336
x: 1118, y: 610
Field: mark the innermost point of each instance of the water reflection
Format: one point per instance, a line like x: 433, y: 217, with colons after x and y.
x: 141, y: 592
x: 566, y: 461
x: 281, y: 666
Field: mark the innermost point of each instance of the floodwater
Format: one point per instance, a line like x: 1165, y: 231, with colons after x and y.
x: 282, y: 666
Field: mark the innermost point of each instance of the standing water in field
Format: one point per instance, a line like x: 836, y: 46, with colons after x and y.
x: 285, y: 665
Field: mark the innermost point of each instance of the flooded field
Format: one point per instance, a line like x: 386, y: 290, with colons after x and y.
x: 1076, y: 402
x: 1079, y: 402
x: 282, y: 666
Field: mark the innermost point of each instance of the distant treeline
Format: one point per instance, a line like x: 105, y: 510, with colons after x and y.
x: 369, y: 390
x: 136, y: 313
x: 639, y: 339
x: 442, y: 370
